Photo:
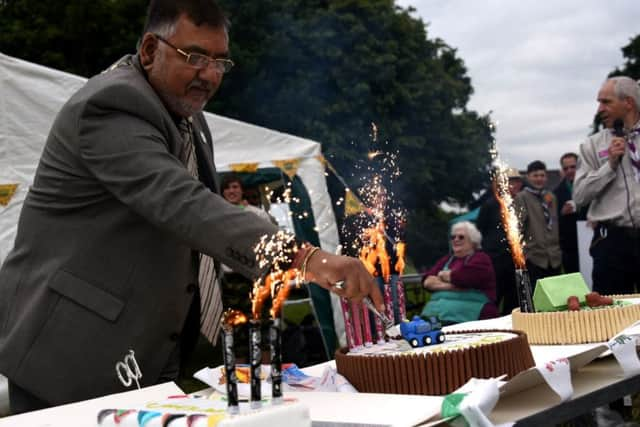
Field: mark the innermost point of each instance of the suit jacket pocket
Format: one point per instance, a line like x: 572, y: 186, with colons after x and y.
x: 87, y: 295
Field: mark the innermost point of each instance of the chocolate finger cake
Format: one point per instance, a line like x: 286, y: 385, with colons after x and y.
x: 436, y: 369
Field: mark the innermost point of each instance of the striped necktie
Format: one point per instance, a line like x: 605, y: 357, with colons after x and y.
x: 210, y: 297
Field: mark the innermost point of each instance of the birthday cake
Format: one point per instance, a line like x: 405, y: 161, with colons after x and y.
x: 567, y: 312
x: 200, y: 412
x: 435, y: 369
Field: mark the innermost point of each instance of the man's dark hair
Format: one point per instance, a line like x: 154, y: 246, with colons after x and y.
x: 536, y: 165
x: 229, y: 179
x: 567, y: 155
x: 163, y: 14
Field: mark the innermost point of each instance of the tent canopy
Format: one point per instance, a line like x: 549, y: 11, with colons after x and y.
x: 31, y: 95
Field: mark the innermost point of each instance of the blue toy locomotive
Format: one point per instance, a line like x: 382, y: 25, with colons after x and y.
x: 420, y: 332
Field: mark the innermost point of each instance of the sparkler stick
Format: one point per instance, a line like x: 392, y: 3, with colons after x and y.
x: 348, y: 323
x: 357, y: 324
x: 366, y: 325
x: 379, y: 330
x: 401, y: 300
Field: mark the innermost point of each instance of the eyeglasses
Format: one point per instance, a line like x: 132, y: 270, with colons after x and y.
x: 458, y: 237
x: 199, y: 61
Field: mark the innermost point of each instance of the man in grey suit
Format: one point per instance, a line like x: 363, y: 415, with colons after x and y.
x: 108, y: 247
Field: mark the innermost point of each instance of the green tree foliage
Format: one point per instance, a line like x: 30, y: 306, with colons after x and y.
x: 320, y: 69
x: 631, y: 66
x: 78, y: 36
x: 326, y: 69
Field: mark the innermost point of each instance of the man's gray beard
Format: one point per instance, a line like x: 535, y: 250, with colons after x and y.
x: 183, y: 109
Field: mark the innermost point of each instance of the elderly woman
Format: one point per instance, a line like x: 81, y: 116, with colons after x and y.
x: 462, y: 285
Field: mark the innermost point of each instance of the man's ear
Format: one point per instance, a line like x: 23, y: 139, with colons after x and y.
x: 148, y: 48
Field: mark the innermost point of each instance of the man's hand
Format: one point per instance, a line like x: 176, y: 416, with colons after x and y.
x: 326, y: 269
x: 616, y: 151
x: 568, y: 208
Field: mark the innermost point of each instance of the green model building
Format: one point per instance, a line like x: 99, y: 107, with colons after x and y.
x: 552, y: 292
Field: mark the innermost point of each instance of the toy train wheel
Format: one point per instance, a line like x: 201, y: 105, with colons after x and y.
x: 441, y: 338
x: 414, y: 343
x: 427, y: 340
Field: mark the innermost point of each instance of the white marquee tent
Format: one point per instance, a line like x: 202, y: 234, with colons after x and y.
x: 31, y: 95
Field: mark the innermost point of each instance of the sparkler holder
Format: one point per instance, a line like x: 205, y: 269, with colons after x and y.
x: 275, y: 344
x: 348, y: 323
x: 523, y: 284
x: 255, y: 363
x: 366, y: 326
x: 357, y: 326
x: 229, y: 359
x: 402, y: 308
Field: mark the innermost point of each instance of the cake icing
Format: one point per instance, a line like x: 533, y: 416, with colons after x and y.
x: 201, y: 412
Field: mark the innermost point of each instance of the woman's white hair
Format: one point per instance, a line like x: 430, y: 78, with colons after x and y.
x: 471, y: 231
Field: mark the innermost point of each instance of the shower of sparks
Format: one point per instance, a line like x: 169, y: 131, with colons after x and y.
x: 369, y: 228
x: 275, y: 253
x: 507, y: 210
x: 280, y: 291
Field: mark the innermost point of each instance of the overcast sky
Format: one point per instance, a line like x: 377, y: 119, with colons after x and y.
x: 536, y: 64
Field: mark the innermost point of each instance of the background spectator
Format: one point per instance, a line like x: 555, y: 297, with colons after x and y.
x: 568, y: 214
x: 538, y: 213
x: 463, y: 284
x: 608, y: 178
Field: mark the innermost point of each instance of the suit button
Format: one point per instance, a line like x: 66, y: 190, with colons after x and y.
x: 191, y: 288
x: 174, y: 336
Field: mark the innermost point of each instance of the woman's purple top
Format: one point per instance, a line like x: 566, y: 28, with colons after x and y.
x: 474, y: 271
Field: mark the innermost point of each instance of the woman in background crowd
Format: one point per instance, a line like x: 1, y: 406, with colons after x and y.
x: 463, y: 284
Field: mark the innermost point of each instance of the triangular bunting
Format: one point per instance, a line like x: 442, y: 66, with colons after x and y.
x: 290, y: 167
x: 244, y: 167
x: 6, y: 193
x: 352, y: 205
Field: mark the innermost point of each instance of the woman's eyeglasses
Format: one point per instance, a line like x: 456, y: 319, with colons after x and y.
x: 458, y: 237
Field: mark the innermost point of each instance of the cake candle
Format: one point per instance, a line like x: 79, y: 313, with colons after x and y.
x: 230, y: 318
x: 276, y: 361
x: 402, y: 309
x: 366, y: 325
x: 348, y: 323
x: 255, y: 361
x: 357, y: 325
x: 379, y: 330
x: 524, y: 291
x: 229, y: 359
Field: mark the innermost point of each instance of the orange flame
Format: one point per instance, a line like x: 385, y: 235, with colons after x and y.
x: 233, y: 318
x: 259, y: 295
x: 280, y: 295
x: 374, y: 251
x: 509, y: 219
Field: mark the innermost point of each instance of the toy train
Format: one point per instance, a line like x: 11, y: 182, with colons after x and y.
x: 420, y: 332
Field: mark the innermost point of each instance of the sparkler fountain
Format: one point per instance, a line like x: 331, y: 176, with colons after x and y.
x: 514, y: 236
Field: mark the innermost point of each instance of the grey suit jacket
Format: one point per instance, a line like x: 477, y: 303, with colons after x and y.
x: 103, y: 260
